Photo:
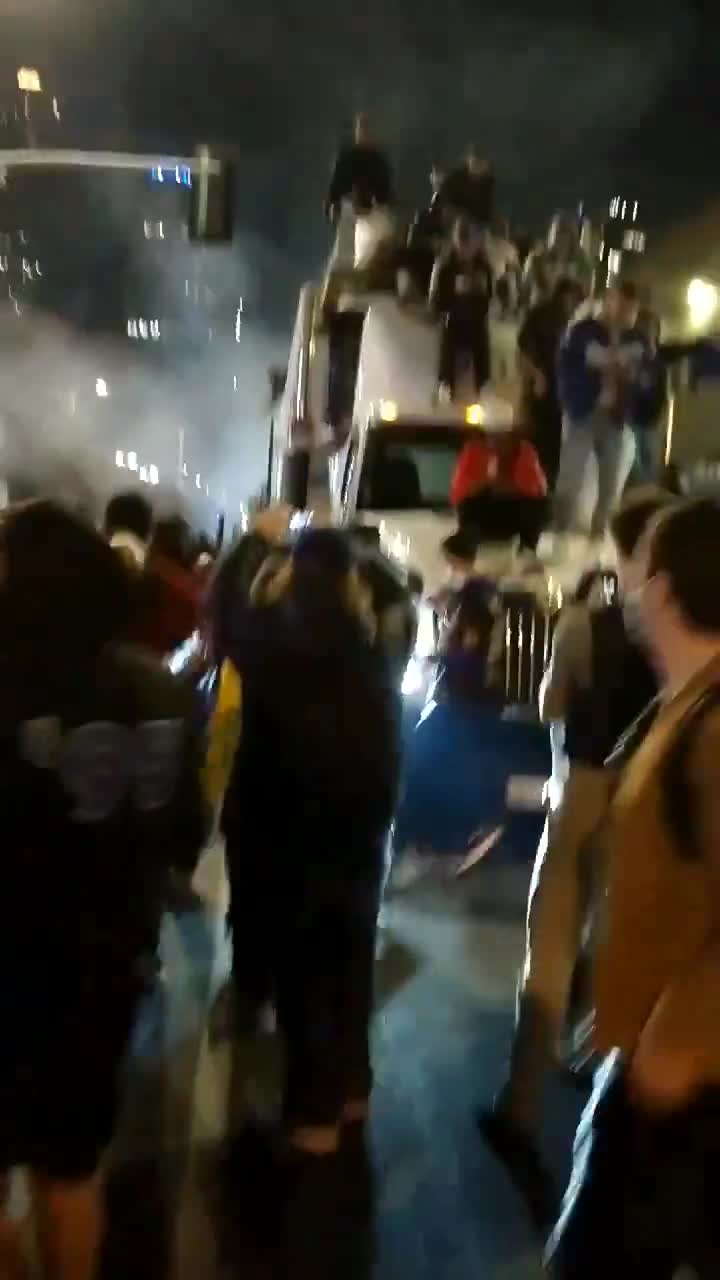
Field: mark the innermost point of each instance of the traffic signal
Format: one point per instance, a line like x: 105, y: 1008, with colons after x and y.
x: 211, y: 198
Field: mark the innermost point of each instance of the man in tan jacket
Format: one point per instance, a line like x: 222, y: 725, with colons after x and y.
x: 642, y: 1199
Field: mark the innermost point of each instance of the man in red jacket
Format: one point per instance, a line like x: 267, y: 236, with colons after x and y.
x: 499, y: 488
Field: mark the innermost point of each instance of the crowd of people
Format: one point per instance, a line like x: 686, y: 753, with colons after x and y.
x: 593, y: 369
x: 112, y: 772
x: 286, y: 735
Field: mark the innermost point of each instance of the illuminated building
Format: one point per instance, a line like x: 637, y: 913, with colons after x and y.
x: 622, y: 238
x: 29, y: 116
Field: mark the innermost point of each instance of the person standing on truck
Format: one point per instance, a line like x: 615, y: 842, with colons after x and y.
x: 469, y: 191
x: 538, y: 344
x: 642, y: 1199
x: 460, y: 292
x: 601, y: 359
x: 427, y: 235
x: 361, y: 182
x: 499, y: 489
x: 561, y: 256
x: 597, y: 683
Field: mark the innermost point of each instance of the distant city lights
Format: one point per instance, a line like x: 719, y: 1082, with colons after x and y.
x: 145, y: 330
x: 180, y: 174
x: 147, y: 473
x: 101, y: 389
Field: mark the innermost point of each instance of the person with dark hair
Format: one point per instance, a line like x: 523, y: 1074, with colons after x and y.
x: 459, y: 552
x: 229, y: 595
x: 100, y: 797
x: 427, y: 235
x: 597, y: 683
x: 538, y: 344
x: 642, y: 1199
x: 468, y: 191
x: 361, y: 174
x: 320, y: 729
x: 601, y: 360
x: 461, y: 289
x: 128, y: 526
x: 560, y: 257
x: 168, y: 595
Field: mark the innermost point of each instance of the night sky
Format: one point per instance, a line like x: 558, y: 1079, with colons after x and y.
x: 568, y: 106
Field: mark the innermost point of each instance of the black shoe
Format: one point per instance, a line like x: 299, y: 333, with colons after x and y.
x: 357, y: 1173
x: 520, y: 1157
x: 311, y: 1221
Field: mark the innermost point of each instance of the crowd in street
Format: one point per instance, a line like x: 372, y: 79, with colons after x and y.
x: 283, y: 735
x: 115, y: 770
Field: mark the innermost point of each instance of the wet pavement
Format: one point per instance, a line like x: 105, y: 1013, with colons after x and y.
x: 442, y: 1207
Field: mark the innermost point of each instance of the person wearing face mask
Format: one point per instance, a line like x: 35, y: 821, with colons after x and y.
x: 642, y: 1198
x: 597, y: 683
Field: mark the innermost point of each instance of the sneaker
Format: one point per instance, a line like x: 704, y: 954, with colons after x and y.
x: 521, y: 1159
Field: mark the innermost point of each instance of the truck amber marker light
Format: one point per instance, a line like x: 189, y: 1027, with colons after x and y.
x: 475, y: 415
x: 388, y: 411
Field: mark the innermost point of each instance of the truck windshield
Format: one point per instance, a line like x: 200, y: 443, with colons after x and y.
x: 410, y: 468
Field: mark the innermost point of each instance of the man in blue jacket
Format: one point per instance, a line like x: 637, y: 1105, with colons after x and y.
x: 601, y: 360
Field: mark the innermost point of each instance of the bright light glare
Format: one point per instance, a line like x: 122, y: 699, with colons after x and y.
x: 144, y: 475
x: 132, y: 462
x: 412, y: 680
x: 29, y: 80
x: 474, y: 415
x: 153, y: 474
x: 119, y: 458
x: 198, y: 485
x: 101, y: 389
x: 388, y: 411
x: 702, y: 300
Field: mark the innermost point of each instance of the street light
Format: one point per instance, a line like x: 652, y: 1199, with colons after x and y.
x: 101, y: 389
x: 29, y: 80
x: 702, y: 300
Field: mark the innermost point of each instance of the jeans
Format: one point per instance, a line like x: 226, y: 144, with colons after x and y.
x: 648, y: 455
x: 500, y: 517
x: 612, y: 447
x: 642, y: 1197
x: 469, y: 336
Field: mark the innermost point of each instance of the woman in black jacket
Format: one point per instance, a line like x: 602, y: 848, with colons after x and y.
x: 309, y: 803
x: 99, y: 796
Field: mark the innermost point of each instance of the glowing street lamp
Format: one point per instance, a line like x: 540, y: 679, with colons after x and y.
x: 29, y: 80
x: 703, y: 298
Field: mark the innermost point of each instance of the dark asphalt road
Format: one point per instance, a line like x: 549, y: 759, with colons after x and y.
x: 444, y: 1209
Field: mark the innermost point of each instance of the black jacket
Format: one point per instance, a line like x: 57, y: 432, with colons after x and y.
x: 473, y: 196
x: 361, y: 174
x: 316, y: 770
x: 446, y: 297
x: 101, y: 795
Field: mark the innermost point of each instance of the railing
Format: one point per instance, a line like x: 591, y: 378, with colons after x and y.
x: 528, y: 642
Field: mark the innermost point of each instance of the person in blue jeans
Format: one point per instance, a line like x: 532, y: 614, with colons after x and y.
x: 601, y: 360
